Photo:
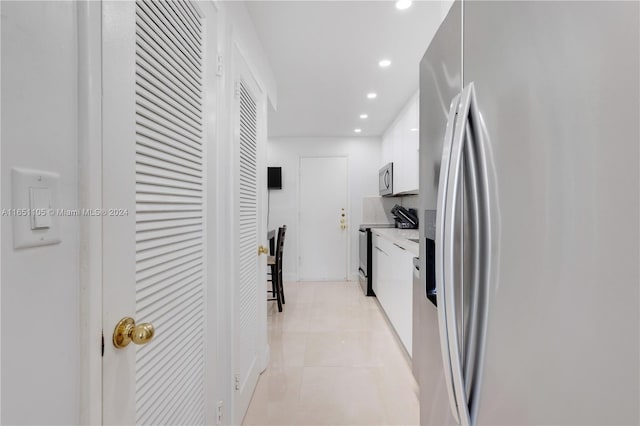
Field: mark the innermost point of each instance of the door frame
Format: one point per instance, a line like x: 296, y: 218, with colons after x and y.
x: 90, y: 196
x: 348, y: 209
x: 93, y: 338
x: 211, y: 133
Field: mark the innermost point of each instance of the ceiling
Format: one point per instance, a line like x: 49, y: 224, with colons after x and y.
x: 324, y: 55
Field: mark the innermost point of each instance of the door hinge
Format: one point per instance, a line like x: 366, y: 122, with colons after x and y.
x: 103, y: 344
x: 219, y: 66
x: 237, y: 382
x: 219, y: 413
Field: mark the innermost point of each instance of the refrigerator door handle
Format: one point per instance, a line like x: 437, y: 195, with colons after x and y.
x: 483, y: 251
x: 450, y: 234
x: 471, y: 183
x: 470, y: 137
x: 441, y: 219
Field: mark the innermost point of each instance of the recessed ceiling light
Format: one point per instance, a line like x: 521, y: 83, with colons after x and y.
x: 357, y: 130
x: 384, y: 63
x: 403, y: 4
x: 415, y: 129
x: 363, y: 116
x: 372, y: 95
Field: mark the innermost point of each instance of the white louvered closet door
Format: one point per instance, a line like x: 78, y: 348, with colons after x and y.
x: 169, y: 212
x: 154, y: 163
x: 249, y: 286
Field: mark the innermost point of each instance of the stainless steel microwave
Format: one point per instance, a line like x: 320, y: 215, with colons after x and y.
x: 385, y: 179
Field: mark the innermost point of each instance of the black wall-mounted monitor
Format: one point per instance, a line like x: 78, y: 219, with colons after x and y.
x: 274, y: 178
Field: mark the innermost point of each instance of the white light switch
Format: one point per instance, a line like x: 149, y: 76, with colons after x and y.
x: 35, y: 194
x: 40, y: 203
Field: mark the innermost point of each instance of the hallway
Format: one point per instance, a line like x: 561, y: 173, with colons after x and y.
x: 334, y: 361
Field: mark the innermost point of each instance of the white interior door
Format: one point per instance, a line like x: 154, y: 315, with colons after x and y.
x: 323, y: 219
x: 153, y: 245
x: 249, y: 284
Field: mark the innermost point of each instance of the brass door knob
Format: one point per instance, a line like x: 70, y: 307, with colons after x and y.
x: 127, y: 331
x: 262, y: 250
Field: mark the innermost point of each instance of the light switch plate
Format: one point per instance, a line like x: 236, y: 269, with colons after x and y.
x: 30, y: 231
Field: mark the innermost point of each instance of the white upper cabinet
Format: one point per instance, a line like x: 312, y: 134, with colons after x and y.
x: 400, y: 144
x: 387, y: 148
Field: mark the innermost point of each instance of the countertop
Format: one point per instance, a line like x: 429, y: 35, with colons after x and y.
x: 401, y: 237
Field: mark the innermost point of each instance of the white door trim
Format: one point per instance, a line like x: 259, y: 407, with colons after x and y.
x: 0, y: 186
x: 118, y: 248
x: 90, y: 197
x: 211, y: 123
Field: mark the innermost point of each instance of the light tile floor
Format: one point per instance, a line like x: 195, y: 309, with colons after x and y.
x: 334, y: 361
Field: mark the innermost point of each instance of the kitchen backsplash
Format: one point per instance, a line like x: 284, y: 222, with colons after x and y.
x: 377, y: 210
x: 408, y: 201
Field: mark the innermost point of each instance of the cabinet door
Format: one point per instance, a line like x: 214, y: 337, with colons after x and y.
x: 374, y: 264
x: 375, y: 267
x: 384, y: 272
x: 398, y: 158
x: 405, y: 137
x: 398, y: 304
x: 411, y: 143
x: 393, y: 285
x: 387, y: 148
x: 403, y: 286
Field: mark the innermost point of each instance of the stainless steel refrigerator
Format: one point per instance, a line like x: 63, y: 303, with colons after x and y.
x: 529, y: 196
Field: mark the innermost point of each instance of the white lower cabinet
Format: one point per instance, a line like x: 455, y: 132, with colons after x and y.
x: 393, y: 285
x: 381, y: 267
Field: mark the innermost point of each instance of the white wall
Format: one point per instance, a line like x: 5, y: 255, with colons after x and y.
x: 40, y: 286
x: 363, y: 156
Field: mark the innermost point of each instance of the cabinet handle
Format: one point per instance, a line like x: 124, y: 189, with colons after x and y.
x: 380, y: 250
x: 400, y: 247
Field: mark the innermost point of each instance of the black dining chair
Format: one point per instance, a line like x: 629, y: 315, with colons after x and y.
x: 275, y: 263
